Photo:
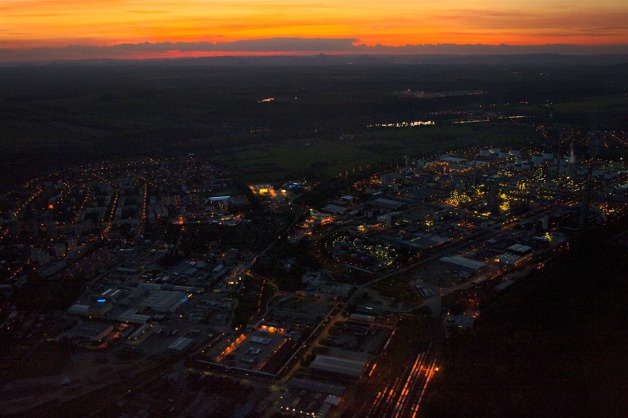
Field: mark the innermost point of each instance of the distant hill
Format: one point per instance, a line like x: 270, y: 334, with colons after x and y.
x: 524, y: 59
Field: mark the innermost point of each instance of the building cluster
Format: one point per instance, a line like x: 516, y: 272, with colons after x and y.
x: 74, y: 223
x: 165, y: 250
x: 488, y: 209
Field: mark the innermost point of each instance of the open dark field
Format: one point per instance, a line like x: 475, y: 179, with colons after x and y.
x: 561, y: 355
x: 56, y: 115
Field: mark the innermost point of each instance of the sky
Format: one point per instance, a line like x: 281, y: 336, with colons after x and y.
x: 70, y: 29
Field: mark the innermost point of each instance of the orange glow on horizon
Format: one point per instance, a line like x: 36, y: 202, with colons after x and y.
x: 104, y: 23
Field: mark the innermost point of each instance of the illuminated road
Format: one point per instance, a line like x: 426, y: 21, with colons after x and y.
x: 402, y: 396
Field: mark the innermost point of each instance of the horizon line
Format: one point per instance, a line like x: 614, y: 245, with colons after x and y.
x: 284, y: 46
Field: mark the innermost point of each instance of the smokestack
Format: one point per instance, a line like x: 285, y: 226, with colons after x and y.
x: 572, y: 157
x: 586, y: 197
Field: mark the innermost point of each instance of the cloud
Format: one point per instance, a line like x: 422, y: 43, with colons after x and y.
x: 148, y: 12
x: 254, y: 45
x: 486, y: 20
x: 131, y: 50
x: 285, y: 46
x: 483, y: 49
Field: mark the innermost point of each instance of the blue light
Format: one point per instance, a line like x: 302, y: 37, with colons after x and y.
x: 101, y: 300
x: 185, y: 299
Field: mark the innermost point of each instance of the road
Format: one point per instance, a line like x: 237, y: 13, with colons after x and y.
x: 402, y: 396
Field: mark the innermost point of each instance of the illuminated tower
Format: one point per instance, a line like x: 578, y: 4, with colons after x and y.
x: 571, y: 166
x: 586, y: 197
x: 572, y: 156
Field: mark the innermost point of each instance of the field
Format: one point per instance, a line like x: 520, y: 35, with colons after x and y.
x: 551, y: 345
x: 323, y: 157
x: 592, y: 105
x: 327, y: 157
x: 315, y: 120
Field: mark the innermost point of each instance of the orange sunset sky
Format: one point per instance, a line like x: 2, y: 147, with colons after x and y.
x: 32, y: 24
